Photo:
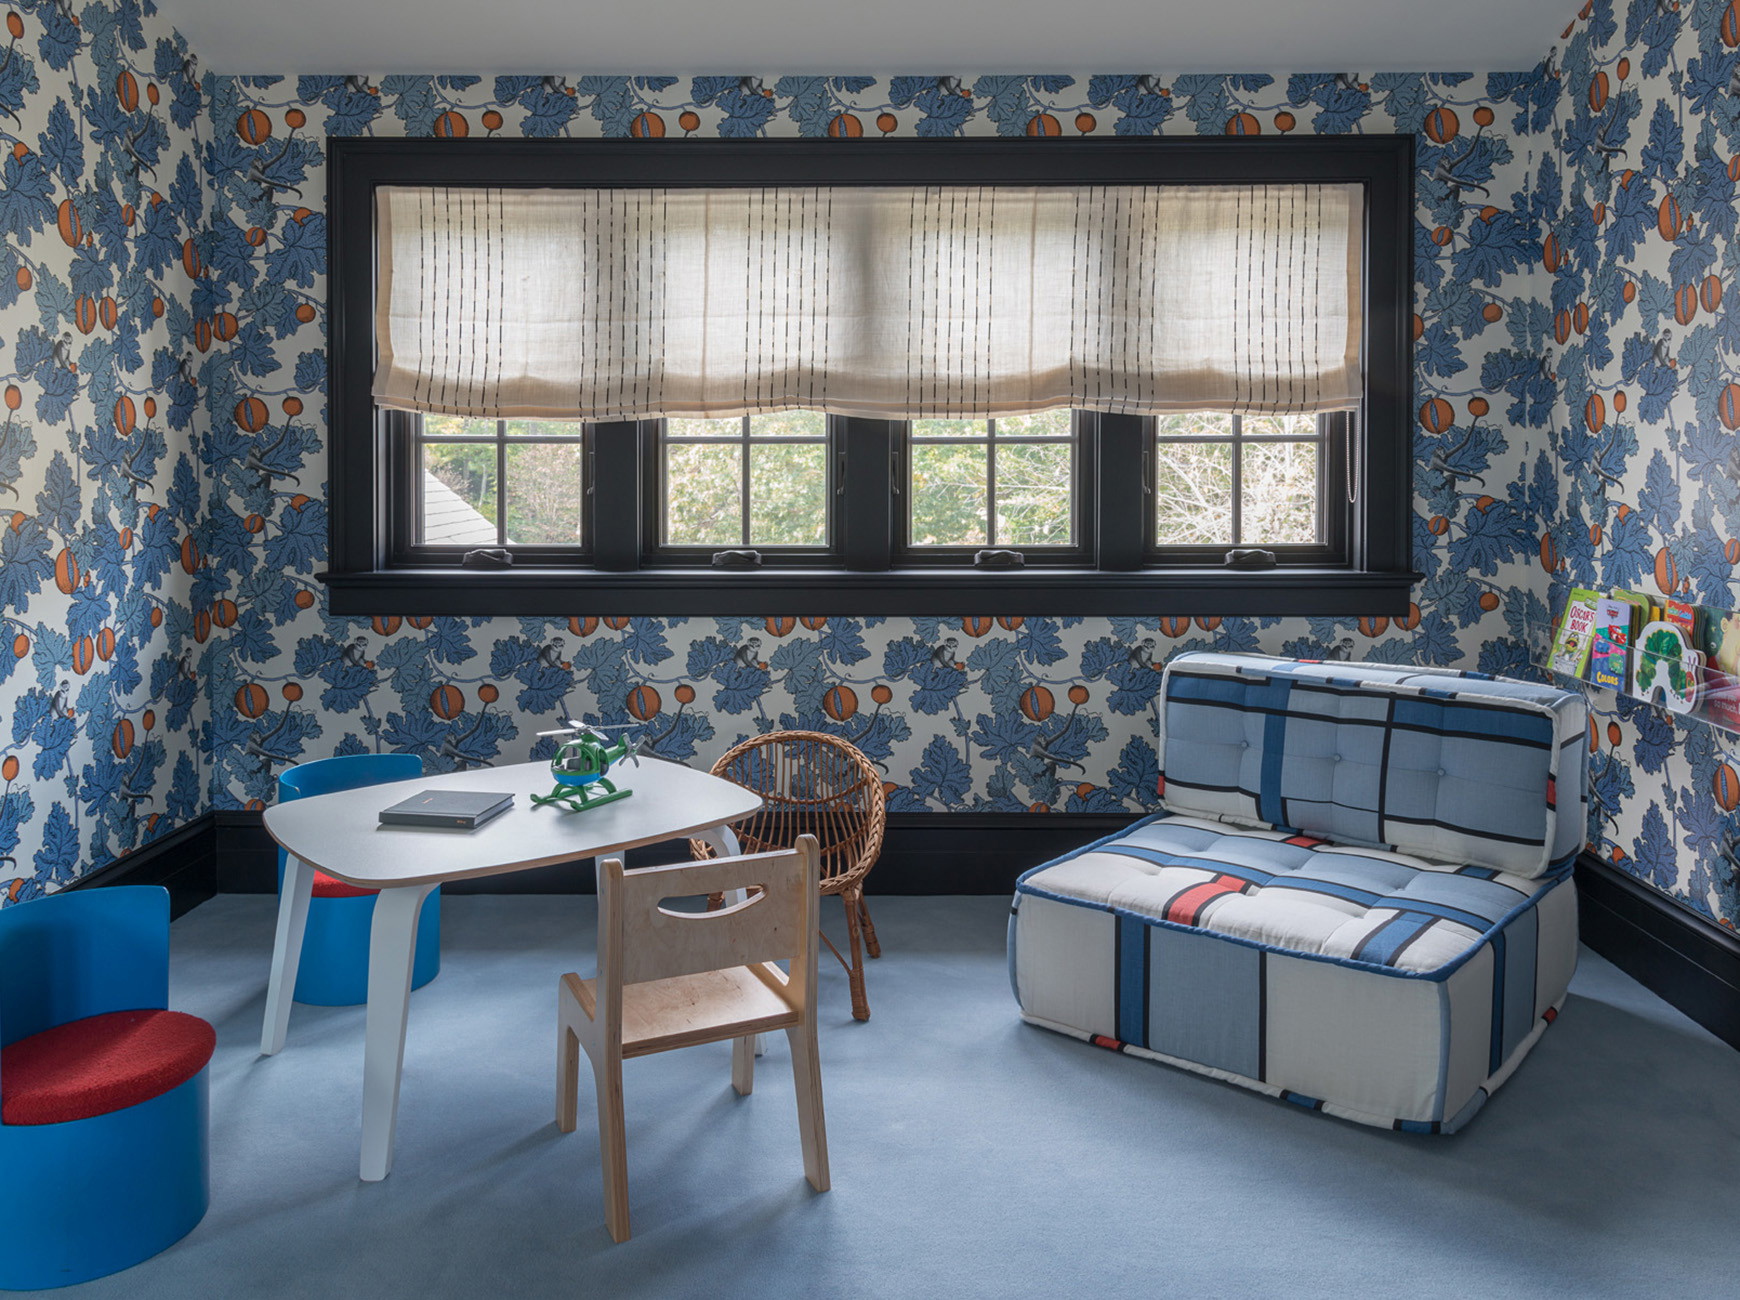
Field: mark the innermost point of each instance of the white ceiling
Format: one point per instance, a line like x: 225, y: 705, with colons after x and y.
x: 886, y: 37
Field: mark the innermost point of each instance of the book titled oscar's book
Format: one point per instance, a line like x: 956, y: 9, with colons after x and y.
x: 461, y: 809
x: 1570, y: 652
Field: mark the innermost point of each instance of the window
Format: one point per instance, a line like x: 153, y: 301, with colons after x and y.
x: 758, y: 482
x: 1114, y: 458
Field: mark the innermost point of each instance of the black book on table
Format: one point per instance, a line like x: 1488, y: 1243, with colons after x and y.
x: 462, y: 809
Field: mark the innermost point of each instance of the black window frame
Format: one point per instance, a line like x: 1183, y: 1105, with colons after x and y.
x: 371, y: 573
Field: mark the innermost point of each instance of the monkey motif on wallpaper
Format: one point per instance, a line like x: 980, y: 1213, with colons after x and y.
x: 130, y: 142
x: 256, y: 462
x: 1604, y: 145
x: 1445, y: 170
x: 1441, y: 460
x: 267, y: 189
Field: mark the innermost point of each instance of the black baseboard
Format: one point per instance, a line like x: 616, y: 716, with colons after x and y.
x: 185, y: 862
x: 1683, y: 958
x: 923, y: 853
x: 1690, y: 962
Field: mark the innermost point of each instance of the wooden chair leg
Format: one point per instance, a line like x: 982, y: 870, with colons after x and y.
x: 855, y: 969
x: 612, y: 1147
x: 743, y: 1065
x: 567, y: 1079
x: 806, y: 1070
x: 870, y: 944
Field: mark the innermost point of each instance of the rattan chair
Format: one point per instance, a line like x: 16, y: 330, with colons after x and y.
x: 811, y: 783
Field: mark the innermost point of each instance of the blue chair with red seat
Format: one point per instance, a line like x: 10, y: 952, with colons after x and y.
x: 334, y: 970
x: 104, y: 1093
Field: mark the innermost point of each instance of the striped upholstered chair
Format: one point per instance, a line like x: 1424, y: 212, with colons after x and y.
x: 1358, y: 898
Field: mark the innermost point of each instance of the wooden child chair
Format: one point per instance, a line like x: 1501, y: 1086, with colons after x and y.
x: 669, y: 979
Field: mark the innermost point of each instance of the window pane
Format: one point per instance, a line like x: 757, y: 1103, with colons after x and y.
x: 788, y: 495
x: 1280, y: 426
x: 546, y: 497
x: 948, y: 495
x: 545, y: 428
x: 1280, y: 491
x: 950, y: 429
x: 789, y: 424
x: 1033, y: 493
x: 459, y: 494
x: 684, y: 428
x: 1193, y: 493
x: 1046, y: 424
x: 704, y: 495
x: 457, y: 426
x: 1194, y: 424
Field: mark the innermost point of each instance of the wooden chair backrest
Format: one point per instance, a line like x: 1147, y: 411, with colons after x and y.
x: 639, y: 940
x: 811, y: 783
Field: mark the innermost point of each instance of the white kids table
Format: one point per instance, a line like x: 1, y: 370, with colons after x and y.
x: 341, y: 835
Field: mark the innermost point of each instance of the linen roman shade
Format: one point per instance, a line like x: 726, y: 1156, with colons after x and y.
x: 887, y: 302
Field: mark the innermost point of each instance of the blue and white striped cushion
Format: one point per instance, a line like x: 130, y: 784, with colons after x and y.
x: 1452, y: 767
x: 1366, y: 983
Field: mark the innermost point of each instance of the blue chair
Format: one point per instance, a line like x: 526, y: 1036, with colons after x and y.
x: 104, y: 1094
x: 334, y: 970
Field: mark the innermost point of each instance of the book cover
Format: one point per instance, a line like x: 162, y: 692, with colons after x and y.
x: 1609, y: 661
x: 1613, y: 620
x: 1667, y: 670
x: 1642, y: 610
x: 1688, y: 618
x: 1570, y: 652
x: 464, y: 809
x: 1722, y: 672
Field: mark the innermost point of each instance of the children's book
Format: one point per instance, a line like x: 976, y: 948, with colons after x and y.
x: 1610, y: 652
x: 1722, y: 671
x: 1571, y: 640
x: 1609, y: 662
x: 1688, y: 618
x: 1642, y: 610
x: 1666, y: 669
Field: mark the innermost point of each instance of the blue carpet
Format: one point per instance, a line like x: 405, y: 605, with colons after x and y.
x: 972, y: 1155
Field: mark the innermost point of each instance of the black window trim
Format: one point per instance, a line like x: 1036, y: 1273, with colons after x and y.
x: 366, y: 578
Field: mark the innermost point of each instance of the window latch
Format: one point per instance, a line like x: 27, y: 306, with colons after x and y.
x: 1249, y: 557
x: 741, y: 559
x: 488, y: 557
x: 990, y: 558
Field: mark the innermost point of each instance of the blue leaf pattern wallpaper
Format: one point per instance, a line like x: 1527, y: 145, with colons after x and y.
x: 165, y: 353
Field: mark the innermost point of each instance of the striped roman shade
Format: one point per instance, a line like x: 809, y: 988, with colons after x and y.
x: 877, y: 301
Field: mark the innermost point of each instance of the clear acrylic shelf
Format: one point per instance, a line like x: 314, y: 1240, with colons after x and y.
x: 1658, y: 680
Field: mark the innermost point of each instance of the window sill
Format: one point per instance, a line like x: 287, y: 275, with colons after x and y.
x: 1341, y: 593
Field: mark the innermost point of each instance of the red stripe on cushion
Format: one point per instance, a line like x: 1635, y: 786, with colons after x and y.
x: 326, y: 886
x: 100, y: 1064
x: 1187, y: 908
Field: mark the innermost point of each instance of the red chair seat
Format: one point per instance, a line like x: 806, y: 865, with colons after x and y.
x: 100, y: 1064
x: 326, y: 886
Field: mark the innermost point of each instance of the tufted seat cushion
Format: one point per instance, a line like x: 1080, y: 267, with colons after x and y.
x: 1294, y: 893
x: 100, y: 1064
x: 1362, y: 982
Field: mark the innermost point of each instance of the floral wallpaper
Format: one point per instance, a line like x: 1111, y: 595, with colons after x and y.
x: 191, y: 516
x: 101, y: 484
x: 1643, y: 164
x: 963, y: 713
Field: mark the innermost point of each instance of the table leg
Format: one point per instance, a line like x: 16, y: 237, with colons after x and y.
x: 723, y: 841
x: 286, y: 952
x: 392, y: 950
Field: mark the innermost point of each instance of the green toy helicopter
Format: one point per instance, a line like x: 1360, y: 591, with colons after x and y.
x: 580, y: 763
